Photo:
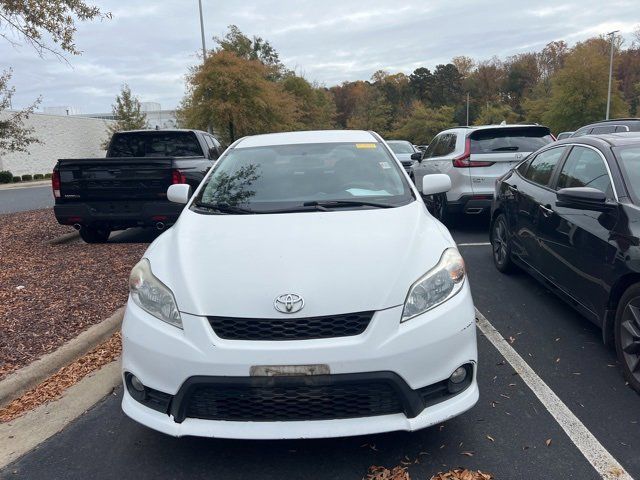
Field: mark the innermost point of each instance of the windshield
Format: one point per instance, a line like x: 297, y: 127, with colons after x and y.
x: 305, y: 177
x: 400, y: 146
x: 510, y: 139
x: 155, y: 144
x: 629, y: 160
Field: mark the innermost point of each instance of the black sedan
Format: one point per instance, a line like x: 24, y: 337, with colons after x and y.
x: 570, y: 216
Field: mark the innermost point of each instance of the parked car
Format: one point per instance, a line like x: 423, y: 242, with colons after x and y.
x: 277, y: 306
x: 405, y: 152
x: 616, y: 125
x: 128, y: 187
x: 474, y: 157
x: 569, y: 216
x: 563, y: 135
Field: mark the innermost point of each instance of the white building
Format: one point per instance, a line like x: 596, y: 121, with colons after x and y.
x: 156, y: 117
x: 61, y: 136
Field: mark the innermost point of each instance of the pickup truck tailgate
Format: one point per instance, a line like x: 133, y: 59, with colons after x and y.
x: 129, y: 178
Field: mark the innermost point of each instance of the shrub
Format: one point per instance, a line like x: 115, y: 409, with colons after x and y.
x: 6, y: 176
x: 48, y: 175
x: 38, y: 176
x: 16, y: 179
x: 27, y: 178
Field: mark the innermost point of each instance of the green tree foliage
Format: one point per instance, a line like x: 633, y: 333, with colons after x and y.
x: 447, y: 86
x: 421, y: 83
x: 127, y: 113
x: 579, y: 89
x: 495, y: 114
x: 372, y: 112
x: 316, y: 109
x: 423, y: 123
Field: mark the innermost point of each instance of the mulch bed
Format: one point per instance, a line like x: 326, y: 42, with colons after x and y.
x: 51, y: 293
x: 54, y: 386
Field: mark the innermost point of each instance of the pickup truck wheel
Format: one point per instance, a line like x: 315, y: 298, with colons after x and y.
x: 94, y: 235
x: 627, y: 335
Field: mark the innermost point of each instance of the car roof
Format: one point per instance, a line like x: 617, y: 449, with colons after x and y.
x: 312, y: 136
x: 399, y: 141
x: 610, y: 139
x: 615, y: 121
x: 161, y: 130
x: 486, y: 127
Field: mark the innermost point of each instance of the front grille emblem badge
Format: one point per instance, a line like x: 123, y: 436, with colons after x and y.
x: 288, y: 303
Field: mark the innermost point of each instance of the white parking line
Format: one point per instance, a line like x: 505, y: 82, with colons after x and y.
x: 478, y: 244
x: 604, y: 463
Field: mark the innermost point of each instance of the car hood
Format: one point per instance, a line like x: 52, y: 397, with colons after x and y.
x: 339, y: 261
x: 405, y: 158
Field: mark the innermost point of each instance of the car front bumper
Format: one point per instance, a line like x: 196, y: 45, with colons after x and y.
x: 420, y: 353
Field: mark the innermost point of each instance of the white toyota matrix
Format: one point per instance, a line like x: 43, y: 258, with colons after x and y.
x: 304, y: 292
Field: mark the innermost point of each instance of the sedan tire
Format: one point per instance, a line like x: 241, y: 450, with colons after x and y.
x: 437, y: 205
x: 94, y: 235
x: 627, y: 335
x: 500, y: 245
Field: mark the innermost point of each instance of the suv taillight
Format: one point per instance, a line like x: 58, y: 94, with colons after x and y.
x: 177, y: 177
x: 464, y: 160
x: 55, y: 184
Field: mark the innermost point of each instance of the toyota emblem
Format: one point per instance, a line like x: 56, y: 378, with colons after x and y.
x: 288, y: 303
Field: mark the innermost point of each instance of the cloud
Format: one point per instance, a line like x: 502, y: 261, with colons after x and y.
x: 151, y: 46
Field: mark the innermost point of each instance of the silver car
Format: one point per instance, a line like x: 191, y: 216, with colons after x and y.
x: 474, y: 157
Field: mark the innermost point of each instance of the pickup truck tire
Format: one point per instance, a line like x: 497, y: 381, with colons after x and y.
x: 94, y: 235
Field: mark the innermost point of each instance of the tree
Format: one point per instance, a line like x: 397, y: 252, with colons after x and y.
x: 579, y: 89
x: 127, y: 113
x: 346, y: 96
x: 35, y: 22
x: 315, y: 105
x: 520, y: 77
x: 236, y: 42
x: 495, y: 114
x: 372, y: 112
x: 238, y: 97
x: 464, y: 64
x: 423, y: 123
x: 447, y: 86
x: 14, y: 136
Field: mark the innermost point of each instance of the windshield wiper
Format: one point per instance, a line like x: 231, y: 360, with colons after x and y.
x: 506, y: 149
x: 328, y: 204
x: 223, y: 208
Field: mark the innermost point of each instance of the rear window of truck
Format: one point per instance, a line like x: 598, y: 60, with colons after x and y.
x: 509, y: 140
x: 155, y: 144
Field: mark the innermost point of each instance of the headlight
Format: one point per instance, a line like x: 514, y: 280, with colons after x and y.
x: 436, y: 286
x: 152, y: 295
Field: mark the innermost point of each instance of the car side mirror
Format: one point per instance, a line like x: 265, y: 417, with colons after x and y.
x: 583, y: 198
x: 435, y: 183
x: 213, y: 153
x: 416, y: 156
x: 179, y: 193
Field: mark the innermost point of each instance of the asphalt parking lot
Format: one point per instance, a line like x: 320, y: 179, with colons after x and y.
x: 510, y: 433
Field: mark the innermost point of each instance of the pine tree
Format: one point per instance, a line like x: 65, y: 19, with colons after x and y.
x: 127, y: 113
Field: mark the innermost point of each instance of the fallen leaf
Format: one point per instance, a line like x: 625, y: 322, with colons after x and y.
x: 547, y: 442
x: 489, y: 437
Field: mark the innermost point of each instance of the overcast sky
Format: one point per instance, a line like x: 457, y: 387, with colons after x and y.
x: 151, y: 44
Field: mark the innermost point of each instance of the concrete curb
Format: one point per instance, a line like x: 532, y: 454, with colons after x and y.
x: 36, y: 183
x: 25, y: 433
x: 67, y: 237
x: 28, y: 377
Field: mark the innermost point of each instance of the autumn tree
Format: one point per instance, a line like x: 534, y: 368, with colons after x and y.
x: 315, y: 105
x: 495, y: 114
x: 238, y: 97
x: 36, y: 23
x: 579, y: 89
x: 423, y: 123
x: 372, y: 111
x: 127, y: 113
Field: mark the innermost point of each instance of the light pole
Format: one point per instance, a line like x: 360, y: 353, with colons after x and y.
x: 613, y: 37
x: 204, y: 47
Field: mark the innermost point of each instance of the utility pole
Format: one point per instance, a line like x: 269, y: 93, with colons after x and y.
x: 204, y: 47
x: 467, y: 109
x: 613, y: 37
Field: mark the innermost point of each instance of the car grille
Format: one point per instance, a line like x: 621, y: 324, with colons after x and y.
x: 291, y: 328
x: 292, y: 402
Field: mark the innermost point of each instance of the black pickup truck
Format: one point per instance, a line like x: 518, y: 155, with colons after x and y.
x: 128, y: 188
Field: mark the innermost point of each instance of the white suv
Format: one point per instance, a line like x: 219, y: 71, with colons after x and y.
x: 474, y: 157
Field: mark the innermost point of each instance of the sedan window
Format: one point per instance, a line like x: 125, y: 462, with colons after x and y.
x: 629, y: 161
x: 541, y: 167
x: 585, y: 167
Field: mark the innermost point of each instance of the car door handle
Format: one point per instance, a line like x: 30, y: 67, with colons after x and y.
x: 546, y: 210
